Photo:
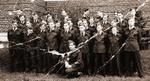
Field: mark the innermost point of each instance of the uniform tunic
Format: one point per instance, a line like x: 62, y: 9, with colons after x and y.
x: 30, y: 50
x: 132, y: 44
x: 52, y: 40
x: 82, y: 37
x: 99, y: 46
x: 75, y: 59
x: 132, y: 58
x: 114, y: 47
x: 19, y: 51
x: 52, y: 44
x: 99, y: 51
x: 65, y: 36
x: 11, y: 39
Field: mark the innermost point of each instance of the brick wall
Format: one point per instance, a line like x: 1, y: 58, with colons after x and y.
x: 108, y: 6
x: 73, y: 7
x: 9, y: 5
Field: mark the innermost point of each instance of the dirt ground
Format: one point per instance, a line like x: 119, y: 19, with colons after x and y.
x: 5, y: 75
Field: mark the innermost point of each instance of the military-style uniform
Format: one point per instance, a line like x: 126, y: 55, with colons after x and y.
x: 52, y: 44
x: 107, y: 44
x: 99, y: 51
x: 41, y: 45
x: 132, y: 56
x: 92, y: 29
x: 122, y: 29
x: 75, y: 60
x: 36, y: 25
x: 30, y: 50
x: 82, y: 37
x: 123, y: 26
x: 114, y: 67
x: 52, y: 40
x: 11, y: 39
x: 19, y: 51
x: 65, y: 36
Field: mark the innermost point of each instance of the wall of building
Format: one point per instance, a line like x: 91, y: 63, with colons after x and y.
x: 73, y: 7
x: 7, y: 6
x: 76, y: 7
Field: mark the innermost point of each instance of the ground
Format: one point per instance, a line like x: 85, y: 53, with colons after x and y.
x: 5, y: 75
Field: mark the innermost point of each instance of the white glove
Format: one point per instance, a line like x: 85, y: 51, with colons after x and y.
x: 54, y: 52
x: 19, y: 44
x: 67, y: 65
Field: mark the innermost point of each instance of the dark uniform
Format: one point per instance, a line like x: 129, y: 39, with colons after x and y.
x: 11, y: 39
x: 107, y: 44
x: 52, y: 37
x: 64, y: 45
x: 41, y: 45
x: 91, y: 29
x: 19, y: 51
x: 123, y: 26
x: 52, y: 44
x: 85, y: 51
x: 30, y: 50
x: 132, y: 59
x: 99, y: 51
x: 75, y: 60
x: 114, y: 47
x: 36, y: 25
x: 65, y: 36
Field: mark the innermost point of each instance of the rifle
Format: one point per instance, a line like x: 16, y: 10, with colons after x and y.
x: 83, y: 43
x: 21, y: 44
x: 117, y: 53
x: 65, y: 55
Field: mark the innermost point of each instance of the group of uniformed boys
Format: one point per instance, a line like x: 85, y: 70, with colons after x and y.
x: 37, y: 43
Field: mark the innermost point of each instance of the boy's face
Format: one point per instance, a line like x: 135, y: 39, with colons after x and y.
x: 87, y: 12
x: 105, y: 17
x: 19, y: 12
x: 50, y: 19
x: 114, y: 23
x: 51, y: 25
x: 43, y: 27
x: 81, y: 28
x: 58, y: 24
x: 91, y: 20
x: 71, y: 46
x: 35, y: 17
x: 63, y: 13
x: 66, y: 26
x: 99, y: 28
x: 131, y: 22
x: 14, y: 25
x: 120, y: 15
x: 133, y: 11
x: 22, y: 18
x: 100, y: 14
x: 28, y: 24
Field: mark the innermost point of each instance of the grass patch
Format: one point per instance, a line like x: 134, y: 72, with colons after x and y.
x: 6, y: 76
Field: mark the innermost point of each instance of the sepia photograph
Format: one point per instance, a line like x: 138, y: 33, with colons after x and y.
x: 74, y: 40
